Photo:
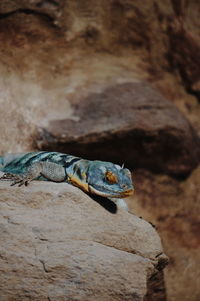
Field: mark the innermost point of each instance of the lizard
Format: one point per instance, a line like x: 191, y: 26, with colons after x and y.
x: 105, y: 179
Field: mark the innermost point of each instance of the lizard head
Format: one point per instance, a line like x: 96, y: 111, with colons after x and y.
x: 109, y: 180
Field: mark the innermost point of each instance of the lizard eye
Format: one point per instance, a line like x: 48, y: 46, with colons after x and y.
x: 111, y: 177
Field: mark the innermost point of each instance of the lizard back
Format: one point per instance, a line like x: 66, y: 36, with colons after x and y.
x: 19, y: 163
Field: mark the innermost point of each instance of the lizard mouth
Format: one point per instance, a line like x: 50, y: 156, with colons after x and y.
x: 111, y: 194
x: 127, y: 193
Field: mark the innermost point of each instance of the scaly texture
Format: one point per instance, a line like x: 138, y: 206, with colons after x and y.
x: 101, y: 178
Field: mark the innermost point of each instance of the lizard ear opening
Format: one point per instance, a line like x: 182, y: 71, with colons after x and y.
x: 111, y: 177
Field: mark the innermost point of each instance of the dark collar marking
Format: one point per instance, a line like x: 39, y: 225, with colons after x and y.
x: 68, y: 164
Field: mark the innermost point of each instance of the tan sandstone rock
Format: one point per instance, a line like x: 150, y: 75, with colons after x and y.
x: 59, y: 244
x: 173, y: 207
x: 132, y: 121
x: 55, y: 52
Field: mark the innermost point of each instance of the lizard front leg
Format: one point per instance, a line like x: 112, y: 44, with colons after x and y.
x: 48, y: 170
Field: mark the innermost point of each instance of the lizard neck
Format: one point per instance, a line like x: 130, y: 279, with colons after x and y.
x: 77, y: 174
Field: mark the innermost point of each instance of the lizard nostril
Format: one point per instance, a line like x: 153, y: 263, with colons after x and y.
x: 124, y: 186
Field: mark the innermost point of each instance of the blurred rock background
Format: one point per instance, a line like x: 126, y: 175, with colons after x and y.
x: 115, y: 80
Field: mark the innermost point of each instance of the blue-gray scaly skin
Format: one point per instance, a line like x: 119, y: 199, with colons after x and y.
x: 102, y: 178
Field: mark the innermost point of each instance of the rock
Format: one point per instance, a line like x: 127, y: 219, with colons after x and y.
x: 52, y: 73
x: 173, y: 207
x: 184, y: 52
x: 55, y: 52
x: 59, y: 244
x: 130, y: 122
x: 170, y: 43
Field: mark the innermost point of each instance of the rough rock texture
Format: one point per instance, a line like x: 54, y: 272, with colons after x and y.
x: 65, y: 50
x: 55, y: 52
x: 130, y: 121
x: 184, y: 43
x: 59, y: 244
x: 166, y: 33
x: 173, y: 207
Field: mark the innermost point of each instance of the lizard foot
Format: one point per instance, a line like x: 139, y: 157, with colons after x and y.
x: 17, y: 179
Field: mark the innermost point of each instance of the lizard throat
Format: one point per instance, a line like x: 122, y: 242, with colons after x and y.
x: 77, y: 182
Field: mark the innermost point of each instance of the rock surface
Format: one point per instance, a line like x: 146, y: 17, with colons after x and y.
x: 59, y: 244
x: 173, y: 207
x: 54, y: 53
x: 130, y: 121
x: 165, y: 33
